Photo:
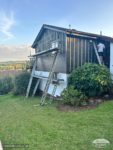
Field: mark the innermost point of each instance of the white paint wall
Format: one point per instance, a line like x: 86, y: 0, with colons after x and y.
x: 1, y: 148
x: 60, y: 87
x: 111, y: 58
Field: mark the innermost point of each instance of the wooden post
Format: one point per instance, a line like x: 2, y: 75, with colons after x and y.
x: 36, y: 86
x: 30, y: 80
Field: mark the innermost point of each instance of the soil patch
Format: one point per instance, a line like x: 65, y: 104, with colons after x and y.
x: 67, y: 108
x: 93, y: 103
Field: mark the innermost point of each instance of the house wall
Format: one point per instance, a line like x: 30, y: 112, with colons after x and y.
x: 62, y: 84
x: 45, y: 43
x: 79, y: 51
x: 74, y: 52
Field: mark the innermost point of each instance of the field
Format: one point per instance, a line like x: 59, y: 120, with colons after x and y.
x: 12, y: 68
x: 11, y: 73
x: 13, y: 65
x: 46, y: 128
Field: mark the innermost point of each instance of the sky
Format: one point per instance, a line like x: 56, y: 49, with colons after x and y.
x: 21, y: 20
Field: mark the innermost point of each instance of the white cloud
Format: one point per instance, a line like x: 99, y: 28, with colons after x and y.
x: 7, y: 21
x: 15, y: 52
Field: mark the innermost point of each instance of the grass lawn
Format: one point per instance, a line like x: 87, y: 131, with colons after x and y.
x: 46, y: 128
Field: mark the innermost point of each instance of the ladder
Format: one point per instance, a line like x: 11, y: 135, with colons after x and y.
x: 54, y: 89
x: 55, y: 83
x: 49, y: 80
x: 96, y: 52
x: 55, y: 50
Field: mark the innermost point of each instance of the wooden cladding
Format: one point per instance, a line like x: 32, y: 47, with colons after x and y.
x: 74, y: 51
x: 79, y: 51
x: 46, y: 41
x: 50, y: 36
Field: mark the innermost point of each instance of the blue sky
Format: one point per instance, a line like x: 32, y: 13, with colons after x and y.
x: 21, y: 20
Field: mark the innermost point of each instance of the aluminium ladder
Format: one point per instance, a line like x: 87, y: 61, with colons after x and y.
x: 49, y: 80
x: 55, y: 50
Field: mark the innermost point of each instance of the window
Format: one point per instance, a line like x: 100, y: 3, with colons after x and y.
x: 54, y: 44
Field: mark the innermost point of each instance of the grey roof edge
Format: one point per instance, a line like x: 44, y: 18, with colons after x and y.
x: 68, y: 31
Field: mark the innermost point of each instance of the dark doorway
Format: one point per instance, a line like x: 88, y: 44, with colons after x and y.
x: 106, y: 54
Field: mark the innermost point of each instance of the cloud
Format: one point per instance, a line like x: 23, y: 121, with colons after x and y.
x: 7, y: 21
x: 15, y: 52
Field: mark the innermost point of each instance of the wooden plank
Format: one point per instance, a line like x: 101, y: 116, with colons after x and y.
x: 74, y: 56
x: 39, y: 77
x: 90, y: 52
x: 85, y: 49
x: 45, y: 52
x: 81, y: 47
x: 70, y: 54
x: 66, y: 53
x: 36, y: 86
x: 30, y: 80
x: 78, y: 53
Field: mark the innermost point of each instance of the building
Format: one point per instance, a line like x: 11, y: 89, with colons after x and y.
x: 75, y: 49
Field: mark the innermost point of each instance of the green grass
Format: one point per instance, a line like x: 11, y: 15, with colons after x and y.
x: 46, y: 128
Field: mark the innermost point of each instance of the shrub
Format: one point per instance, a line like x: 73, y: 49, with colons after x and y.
x: 6, y: 85
x: 92, y: 79
x: 20, y: 83
x: 73, y: 97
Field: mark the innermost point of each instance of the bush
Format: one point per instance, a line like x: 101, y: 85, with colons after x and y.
x: 21, y: 83
x: 6, y: 85
x: 92, y: 79
x: 73, y: 97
